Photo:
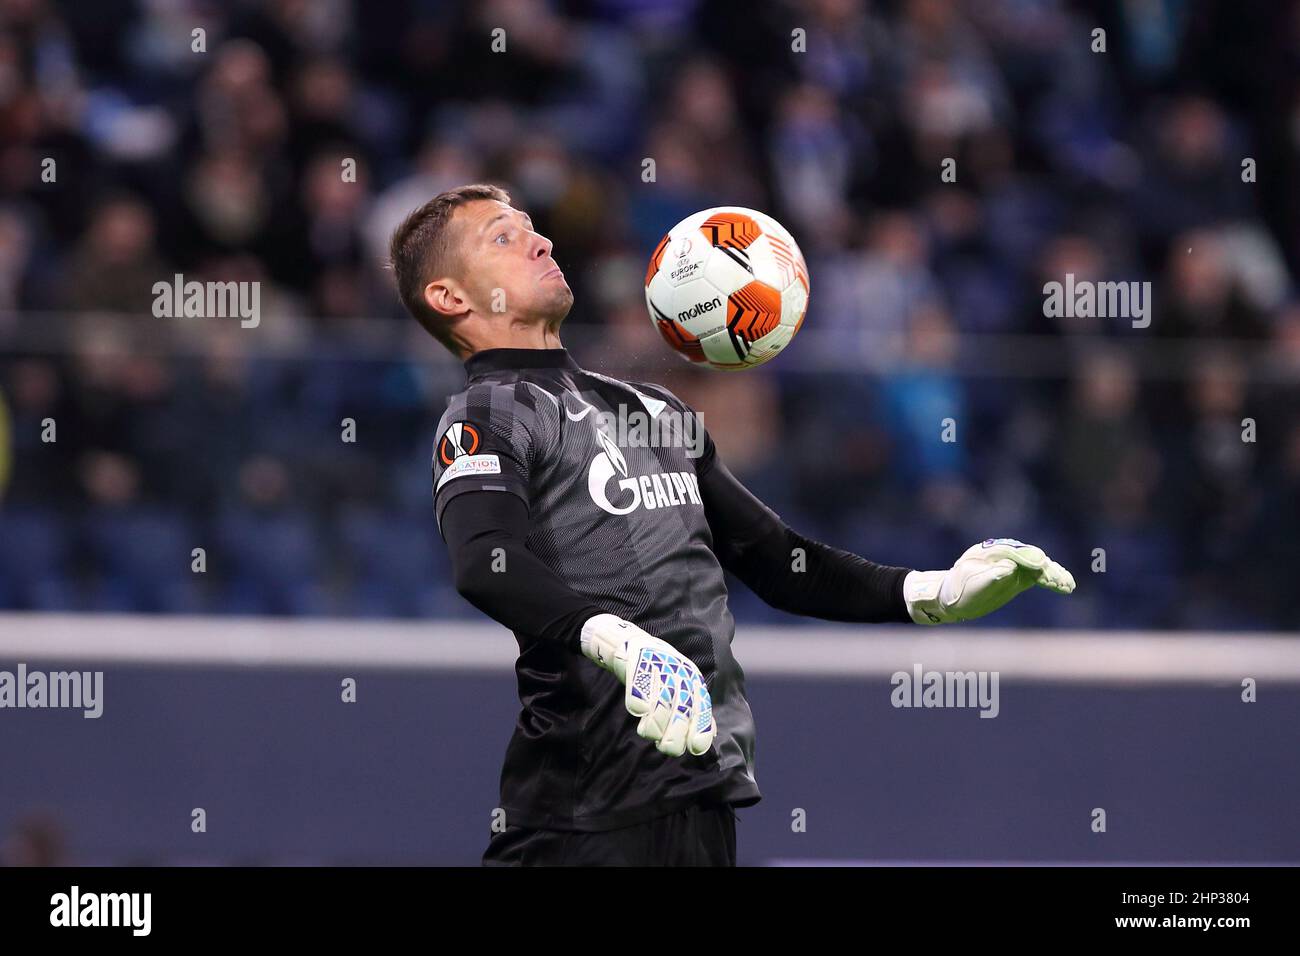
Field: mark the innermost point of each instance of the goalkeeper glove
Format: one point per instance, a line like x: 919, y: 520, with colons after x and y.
x: 662, y: 686
x: 985, y: 577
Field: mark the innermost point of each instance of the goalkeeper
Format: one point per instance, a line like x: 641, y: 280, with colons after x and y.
x: 635, y: 742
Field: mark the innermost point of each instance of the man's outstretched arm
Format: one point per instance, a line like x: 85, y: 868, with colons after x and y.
x: 753, y: 543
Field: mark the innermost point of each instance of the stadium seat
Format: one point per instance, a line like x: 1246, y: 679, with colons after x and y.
x: 34, y: 568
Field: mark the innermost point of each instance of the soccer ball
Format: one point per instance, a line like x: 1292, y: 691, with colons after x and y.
x: 727, y: 287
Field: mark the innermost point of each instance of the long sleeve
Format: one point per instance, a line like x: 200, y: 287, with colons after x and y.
x: 511, y: 585
x: 754, y: 544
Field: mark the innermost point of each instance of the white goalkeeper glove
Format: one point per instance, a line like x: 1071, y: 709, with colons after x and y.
x: 985, y: 577
x: 662, y: 685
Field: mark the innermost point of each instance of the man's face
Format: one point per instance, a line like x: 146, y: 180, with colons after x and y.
x: 506, y: 266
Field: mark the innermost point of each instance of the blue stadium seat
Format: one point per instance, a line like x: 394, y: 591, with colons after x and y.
x: 143, y: 561
x: 400, y: 566
x: 34, y: 569
x: 272, y: 563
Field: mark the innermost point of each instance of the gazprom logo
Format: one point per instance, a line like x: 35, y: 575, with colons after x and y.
x: 664, y: 490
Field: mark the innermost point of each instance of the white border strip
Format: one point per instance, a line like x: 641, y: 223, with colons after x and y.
x: 1127, y: 657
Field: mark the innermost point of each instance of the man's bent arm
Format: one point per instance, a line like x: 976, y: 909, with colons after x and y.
x: 527, y: 596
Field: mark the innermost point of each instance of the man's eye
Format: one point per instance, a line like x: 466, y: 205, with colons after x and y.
x: 500, y: 237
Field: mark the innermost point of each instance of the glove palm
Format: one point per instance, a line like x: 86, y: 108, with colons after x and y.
x: 662, y: 686
x: 985, y: 577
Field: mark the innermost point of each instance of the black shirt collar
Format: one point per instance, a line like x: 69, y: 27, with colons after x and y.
x: 495, y: 360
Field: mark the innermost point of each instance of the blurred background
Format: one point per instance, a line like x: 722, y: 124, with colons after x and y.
x: 225, y: 164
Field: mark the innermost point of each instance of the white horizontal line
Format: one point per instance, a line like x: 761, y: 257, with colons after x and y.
x: 1049, y: 655
x: 816, y: 651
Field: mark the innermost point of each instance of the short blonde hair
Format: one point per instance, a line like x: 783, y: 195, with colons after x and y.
x: 423, y: 248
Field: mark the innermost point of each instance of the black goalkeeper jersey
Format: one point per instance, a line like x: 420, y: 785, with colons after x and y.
x: 622, y: 522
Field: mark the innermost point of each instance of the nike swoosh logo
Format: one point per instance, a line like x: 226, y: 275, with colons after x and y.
x: 586, y: 410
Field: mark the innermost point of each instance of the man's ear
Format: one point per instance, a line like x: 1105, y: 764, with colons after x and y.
x: 446, y: 297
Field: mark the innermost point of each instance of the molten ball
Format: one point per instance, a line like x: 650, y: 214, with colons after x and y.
x: 727, y: 287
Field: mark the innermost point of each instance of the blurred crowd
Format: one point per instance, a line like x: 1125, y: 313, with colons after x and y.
x: 220, y: 154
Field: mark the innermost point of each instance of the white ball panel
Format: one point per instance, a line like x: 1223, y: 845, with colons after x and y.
x: 764, y: 264
x: 720, y: 352
x: 772, y: 227
x: 726, y: 272
x: 659, y: 296
x: 794, y: 302
x: 767, y: 347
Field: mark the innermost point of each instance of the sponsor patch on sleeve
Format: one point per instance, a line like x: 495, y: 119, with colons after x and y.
x: 470, y: 465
